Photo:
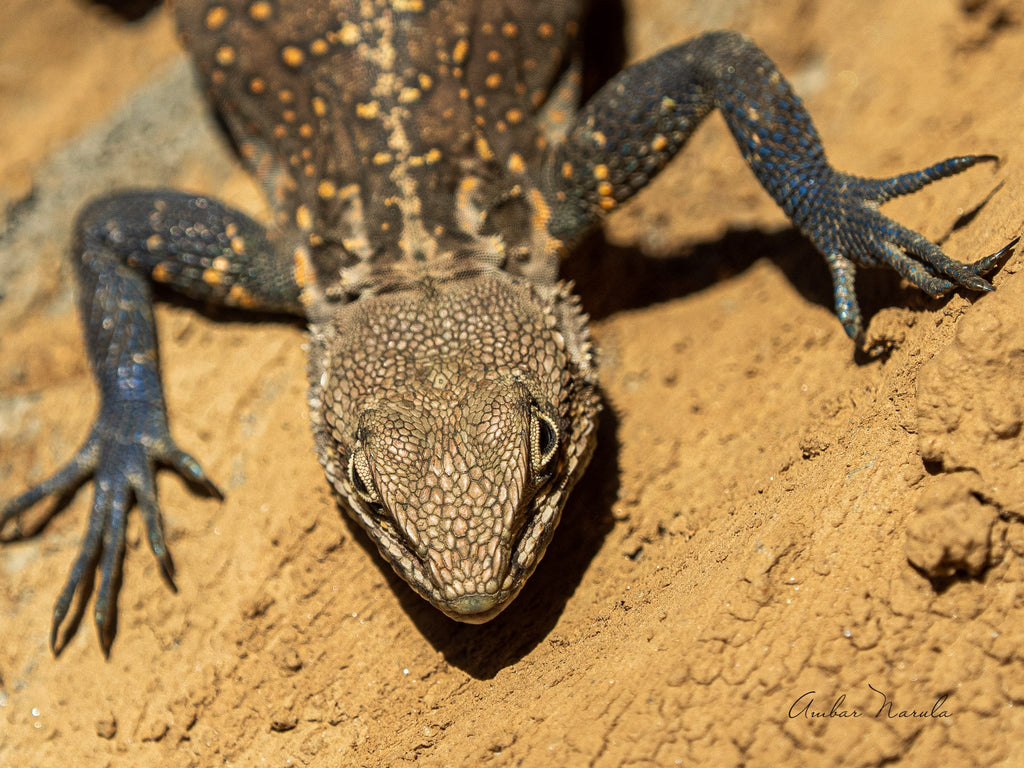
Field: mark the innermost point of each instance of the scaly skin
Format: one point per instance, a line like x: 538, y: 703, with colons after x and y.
x: 429, y: 168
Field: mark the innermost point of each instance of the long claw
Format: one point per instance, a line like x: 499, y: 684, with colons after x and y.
x: 145, y: 497
x: 110, y: 565
x: 192, y: 470
x: 844, y: 296
x: 987, y: 158
x: 84, y: 563
x: 986, y: 263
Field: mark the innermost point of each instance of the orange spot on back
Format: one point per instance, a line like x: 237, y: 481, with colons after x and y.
x: 216, y: 17
x: 225, y: 55
x: 483, y: 149
x: 516, y: 163
x: 261, y: 10
x: 300, y: 270
x: 292, y: 56
x: 349, y: 34
x: 241, y: 297
x: 369, y: 110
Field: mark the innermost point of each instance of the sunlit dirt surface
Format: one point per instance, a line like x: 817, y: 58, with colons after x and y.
x: 779, y: 547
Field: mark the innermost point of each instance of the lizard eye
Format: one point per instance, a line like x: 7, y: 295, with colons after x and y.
x: 361, y: 478
x: 543, y: 440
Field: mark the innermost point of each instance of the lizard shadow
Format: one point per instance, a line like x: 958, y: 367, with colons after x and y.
x: 482, y: 650
x: 613, y: 279
x: 128, y: 10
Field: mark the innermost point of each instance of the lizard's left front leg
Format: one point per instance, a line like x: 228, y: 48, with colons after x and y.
x: 196, y: 246
x: 634, y: 125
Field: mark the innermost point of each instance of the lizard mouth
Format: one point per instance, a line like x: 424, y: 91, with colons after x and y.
x: 476, y: 608
x: 480, y: 606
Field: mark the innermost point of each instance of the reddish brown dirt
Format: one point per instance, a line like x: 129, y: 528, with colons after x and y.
x: 766, y: 515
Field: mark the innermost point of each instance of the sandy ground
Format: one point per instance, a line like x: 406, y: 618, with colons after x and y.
x: 773, y: 530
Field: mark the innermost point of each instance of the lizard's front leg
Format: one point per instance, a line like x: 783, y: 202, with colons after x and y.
x: 196, y: 246
x: 628, y: 131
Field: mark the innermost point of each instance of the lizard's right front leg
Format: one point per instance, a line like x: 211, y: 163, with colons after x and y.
x: 204, y: 250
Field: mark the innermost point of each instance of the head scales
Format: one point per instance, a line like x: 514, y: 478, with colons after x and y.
x: 452, y: 418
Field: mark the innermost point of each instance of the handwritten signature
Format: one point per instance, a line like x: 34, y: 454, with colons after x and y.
x: 804, y: 707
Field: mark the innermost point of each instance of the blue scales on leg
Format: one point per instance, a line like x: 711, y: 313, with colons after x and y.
x: 202, y: 249
x: 642, y: 117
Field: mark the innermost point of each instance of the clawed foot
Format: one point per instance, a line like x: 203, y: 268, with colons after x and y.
x: 847, y: 226
x: 122, y: 461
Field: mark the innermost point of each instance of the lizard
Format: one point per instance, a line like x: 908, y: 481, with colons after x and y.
x: 429, y: 164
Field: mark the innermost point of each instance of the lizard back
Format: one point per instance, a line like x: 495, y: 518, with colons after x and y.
x: 395, y: 139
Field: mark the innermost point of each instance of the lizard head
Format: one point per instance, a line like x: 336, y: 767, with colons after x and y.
x: 452, y: 420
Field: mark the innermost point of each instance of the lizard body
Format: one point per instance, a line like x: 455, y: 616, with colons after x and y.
x: 429, y: 165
